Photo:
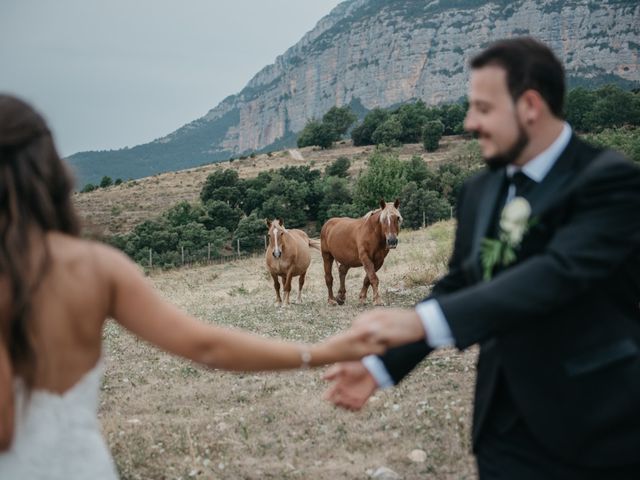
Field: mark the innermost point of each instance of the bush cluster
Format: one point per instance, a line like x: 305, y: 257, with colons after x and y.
x: 233, y: 210
x: 104, y: 183
x: 334, y: 124
x: 410, y: 123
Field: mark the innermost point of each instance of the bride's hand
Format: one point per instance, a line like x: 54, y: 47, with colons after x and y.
x: 392, y: 327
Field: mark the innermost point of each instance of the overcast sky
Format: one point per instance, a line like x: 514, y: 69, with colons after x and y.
x: 110, y: 74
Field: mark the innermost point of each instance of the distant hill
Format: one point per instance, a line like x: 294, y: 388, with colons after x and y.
x: 119, y: 208
x: 379, y: 53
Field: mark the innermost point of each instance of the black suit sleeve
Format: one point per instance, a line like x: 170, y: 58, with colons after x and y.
x: 600, y: 231
x: 401, y: 360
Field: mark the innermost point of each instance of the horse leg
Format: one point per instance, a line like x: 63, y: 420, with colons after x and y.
x: 327, y: 260
x: 370, y: 270
x: 342, y: 293
x: 300, y: 284
x: 276, y: 285
x: 365, y: 287
x: 287, y: 287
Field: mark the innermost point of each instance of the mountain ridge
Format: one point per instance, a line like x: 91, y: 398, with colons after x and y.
x: 380, y: 53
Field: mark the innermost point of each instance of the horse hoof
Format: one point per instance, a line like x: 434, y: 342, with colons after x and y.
x: 340, y: 301
x: 379, y: 303
x: 332, y: 302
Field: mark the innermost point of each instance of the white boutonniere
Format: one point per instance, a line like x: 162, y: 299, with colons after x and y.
x: 515, y: 222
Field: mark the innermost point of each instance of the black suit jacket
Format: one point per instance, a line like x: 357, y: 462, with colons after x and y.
x: 562, y: 324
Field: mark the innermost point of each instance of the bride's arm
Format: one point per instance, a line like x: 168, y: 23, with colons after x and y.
x: 138, y: 307
x: 6, y: 399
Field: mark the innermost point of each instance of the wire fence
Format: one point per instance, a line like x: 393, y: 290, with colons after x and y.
x: 246, y: 247
x: 185, y: 256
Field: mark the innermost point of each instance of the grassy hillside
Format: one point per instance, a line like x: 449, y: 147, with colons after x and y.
x: 165, y: 418
x: 117, y: 209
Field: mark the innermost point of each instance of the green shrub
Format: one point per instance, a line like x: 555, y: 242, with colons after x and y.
x: 339, y: 168
x: 106, y: 182
x: 316, y: 133
x: 431, y: 135
x: 383, y: 178
x: 339, y: 120
x: 389, y: 132
x: 363, y: 133
x: 250, y: 232
x: 626, y: 140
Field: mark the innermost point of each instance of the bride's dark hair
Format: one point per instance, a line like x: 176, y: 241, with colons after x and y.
x: 35, y: 197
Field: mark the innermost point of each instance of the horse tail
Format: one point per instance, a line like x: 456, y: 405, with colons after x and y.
x: 313, y: 243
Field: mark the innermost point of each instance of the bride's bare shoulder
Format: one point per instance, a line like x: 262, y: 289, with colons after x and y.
x: 73, y: 250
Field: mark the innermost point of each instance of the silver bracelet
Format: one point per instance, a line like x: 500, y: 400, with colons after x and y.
x: 305, y: 357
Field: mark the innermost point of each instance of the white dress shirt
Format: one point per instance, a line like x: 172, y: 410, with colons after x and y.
x: 433, y: 320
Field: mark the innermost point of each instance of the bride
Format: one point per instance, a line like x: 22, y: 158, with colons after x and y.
x: 56, y: 290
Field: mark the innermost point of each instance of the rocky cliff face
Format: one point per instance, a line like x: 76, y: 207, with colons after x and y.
x: 379, y: 53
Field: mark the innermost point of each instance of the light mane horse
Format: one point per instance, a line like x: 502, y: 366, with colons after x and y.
x: 359, y: 242
x: 288, y: 256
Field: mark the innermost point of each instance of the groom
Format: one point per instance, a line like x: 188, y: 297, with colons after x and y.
x: 558, y: 375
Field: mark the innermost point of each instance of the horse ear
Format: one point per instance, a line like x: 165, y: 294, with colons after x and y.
x: 268, y: 222
x: 383, y: 204
x: 396, y: 203
x: 281, y: 222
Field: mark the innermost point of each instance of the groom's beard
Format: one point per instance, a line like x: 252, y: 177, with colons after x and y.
x: 511, y: 155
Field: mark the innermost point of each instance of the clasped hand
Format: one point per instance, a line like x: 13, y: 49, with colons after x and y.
x: 352, y: 384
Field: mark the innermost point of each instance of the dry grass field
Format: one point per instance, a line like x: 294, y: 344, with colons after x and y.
x: 119, y: 208
x: 165, y: 418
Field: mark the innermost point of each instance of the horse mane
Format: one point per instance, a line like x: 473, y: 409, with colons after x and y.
x: 370, y: 213
x: 278, y: 226
x: 385, y: 212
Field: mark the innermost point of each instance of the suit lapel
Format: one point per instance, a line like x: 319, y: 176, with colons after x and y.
x: 551, y: 188
x: 486, y: 209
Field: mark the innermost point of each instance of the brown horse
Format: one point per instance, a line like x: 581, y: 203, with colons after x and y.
x: 359, y: 242
x: 287, y: 257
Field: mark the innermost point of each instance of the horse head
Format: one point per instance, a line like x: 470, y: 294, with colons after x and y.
x: 390, y: 220
x: 276, y: 233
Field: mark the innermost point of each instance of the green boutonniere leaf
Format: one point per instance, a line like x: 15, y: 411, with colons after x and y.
x: 515, y: 222
x: 490, y: 253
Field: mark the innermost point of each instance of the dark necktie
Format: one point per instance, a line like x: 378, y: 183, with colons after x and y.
x: 523, y: 185
x: 522, y: 182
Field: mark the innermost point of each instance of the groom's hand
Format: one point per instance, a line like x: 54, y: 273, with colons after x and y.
x: 392, y: 326
x: 352, y: 385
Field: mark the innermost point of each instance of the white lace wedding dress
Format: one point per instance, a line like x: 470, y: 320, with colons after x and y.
x: 57, y: 437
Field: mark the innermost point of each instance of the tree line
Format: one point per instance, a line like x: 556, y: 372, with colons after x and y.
x: 588, y: 111
x: 232, y: 211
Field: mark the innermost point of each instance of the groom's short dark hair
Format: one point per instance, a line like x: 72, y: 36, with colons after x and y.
x: 529, y: 65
